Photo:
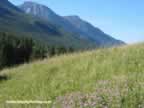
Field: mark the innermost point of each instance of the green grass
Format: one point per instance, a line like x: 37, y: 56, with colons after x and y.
x: 106, y: 78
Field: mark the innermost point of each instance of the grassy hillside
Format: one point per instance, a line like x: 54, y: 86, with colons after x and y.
x: 106, y: 78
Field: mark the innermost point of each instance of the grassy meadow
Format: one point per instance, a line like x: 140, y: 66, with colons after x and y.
x: 106, y: 78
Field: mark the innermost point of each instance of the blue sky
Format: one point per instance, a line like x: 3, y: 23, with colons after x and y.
x: 122, y: 19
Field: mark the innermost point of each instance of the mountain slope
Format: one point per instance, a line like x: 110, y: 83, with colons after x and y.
x: 46, y: 13
x: 71, y: 23
x: 12, y: 16
x: 93, y: 33
x: 109, y: 78
x: 13, y: 19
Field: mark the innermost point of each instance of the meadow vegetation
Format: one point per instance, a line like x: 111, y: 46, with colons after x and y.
x: 105, y: 78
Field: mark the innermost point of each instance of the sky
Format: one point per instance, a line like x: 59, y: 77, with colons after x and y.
x: 122, y: 19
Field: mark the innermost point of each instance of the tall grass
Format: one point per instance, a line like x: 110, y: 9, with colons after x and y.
x: 106, y: 78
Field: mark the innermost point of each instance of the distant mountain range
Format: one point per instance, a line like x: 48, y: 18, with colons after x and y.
x: 40, y: 22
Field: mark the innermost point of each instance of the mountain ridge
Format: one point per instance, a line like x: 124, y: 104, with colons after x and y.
x: 91, y: 31
x: 70, y: 23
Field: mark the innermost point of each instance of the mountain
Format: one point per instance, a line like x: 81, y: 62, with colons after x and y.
x: 47, y: 14
x: 15, y: 21
x: 72, y: 24
x: 91, y: 32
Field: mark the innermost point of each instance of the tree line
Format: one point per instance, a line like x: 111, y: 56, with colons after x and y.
x: 16, y: 50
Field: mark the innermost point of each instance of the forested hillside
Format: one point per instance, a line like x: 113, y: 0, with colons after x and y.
x: 15, y: 49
